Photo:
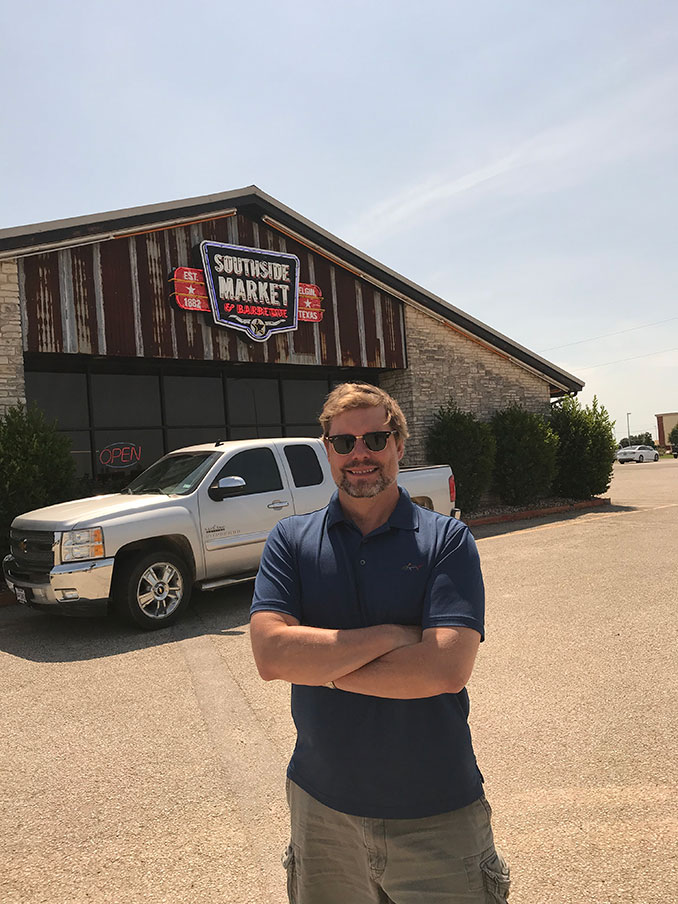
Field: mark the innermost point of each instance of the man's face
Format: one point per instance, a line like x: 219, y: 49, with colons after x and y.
x: 362, y: 473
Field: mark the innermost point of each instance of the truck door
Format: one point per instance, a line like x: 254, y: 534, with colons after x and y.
x: 312, y: 489
x: 234, y: 529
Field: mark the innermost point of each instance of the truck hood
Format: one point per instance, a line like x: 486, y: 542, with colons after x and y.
x: 91, y: 512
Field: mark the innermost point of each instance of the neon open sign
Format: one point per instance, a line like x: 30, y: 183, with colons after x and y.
x: 120, y: 455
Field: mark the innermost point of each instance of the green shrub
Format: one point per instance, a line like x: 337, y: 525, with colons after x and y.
x: 673, y: 436
x: 586, y: 449
x: 36, y: 466
x: 459, y: 439
x: 525, y: 463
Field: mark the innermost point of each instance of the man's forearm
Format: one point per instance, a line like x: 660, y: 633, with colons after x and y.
x: 410, y: 672
x: 313, y: 656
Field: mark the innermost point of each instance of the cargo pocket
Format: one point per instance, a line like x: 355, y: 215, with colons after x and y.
x: 496, y: 878
x: 290, y: 866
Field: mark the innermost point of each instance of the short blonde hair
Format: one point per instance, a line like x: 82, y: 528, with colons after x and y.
x: 362, y: 395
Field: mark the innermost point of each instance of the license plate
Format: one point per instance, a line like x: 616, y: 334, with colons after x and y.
x: 20, y: 595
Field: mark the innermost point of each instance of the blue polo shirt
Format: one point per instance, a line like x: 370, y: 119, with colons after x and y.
x: 363, y: 755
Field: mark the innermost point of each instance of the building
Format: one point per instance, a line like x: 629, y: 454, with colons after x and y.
x: 665, y: 424
x: 100, y: 328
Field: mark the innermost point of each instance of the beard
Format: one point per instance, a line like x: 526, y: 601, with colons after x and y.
x: 366, y: 489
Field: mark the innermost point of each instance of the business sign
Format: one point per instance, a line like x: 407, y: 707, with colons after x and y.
x: 310, y: 301
x: 120, y: 455
x: 189, y: 291
x: 251, y: 289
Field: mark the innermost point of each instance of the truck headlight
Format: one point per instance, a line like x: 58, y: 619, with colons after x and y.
x: 82, y: 544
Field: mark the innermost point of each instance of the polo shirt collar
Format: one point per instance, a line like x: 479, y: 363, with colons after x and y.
x: 404, y: 516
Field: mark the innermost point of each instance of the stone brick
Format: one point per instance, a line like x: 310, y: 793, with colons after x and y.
x: 11, y: 352
x: 445, y: 364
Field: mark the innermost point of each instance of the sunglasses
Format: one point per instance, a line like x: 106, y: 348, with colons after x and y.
x: 344, y: 443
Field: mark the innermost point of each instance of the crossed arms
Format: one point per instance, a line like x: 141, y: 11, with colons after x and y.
x: 397, y: 661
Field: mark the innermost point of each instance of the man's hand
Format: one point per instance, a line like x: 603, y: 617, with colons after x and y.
x: 441, y: 664
x: 284, y: 649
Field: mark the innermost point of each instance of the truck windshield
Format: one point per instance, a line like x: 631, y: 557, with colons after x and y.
x: 174, y: 475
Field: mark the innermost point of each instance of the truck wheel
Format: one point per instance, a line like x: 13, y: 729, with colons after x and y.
x: 153, y: 590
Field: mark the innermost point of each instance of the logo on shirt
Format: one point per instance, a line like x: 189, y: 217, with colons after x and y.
x: 411, y: 567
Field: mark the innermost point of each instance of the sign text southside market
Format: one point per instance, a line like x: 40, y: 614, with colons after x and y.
x: 251, y: 289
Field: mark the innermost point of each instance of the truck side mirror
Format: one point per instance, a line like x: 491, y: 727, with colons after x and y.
x: 227, y: 486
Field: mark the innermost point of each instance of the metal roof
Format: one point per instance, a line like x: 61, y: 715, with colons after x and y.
x: 20, y: 241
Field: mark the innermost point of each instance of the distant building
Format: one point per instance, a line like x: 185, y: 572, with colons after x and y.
x: 665, y: 424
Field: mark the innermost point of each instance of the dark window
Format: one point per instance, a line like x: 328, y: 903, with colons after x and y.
x: 124, y: 400
x: 263, y: 431
x: 304, y: 430
x: 179, y: 437
x: 80, y: 451
x: 257, y: 467
x: 63, y: 397
x: 253, y: 402
x: 304, y: 465
x: 303, y: 400
x: 194, y: 401
x: 126, y: 450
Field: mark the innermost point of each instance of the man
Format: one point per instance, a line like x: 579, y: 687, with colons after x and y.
x: 372, y: 608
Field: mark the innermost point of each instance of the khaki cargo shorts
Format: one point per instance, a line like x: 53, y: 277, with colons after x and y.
x: 334, y: 858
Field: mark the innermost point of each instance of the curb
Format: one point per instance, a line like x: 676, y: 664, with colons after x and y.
x: 538, y: 513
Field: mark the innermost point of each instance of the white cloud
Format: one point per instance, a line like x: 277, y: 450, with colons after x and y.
x: 637, y: 120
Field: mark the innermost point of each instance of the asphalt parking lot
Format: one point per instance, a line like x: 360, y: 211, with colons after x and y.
x: 149, y: 767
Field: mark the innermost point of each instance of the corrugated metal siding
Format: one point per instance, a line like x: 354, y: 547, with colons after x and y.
x: 84, y: 299
x: 112, y: 298
x: 41, y: 282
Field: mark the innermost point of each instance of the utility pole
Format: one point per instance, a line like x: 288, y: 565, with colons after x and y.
x: 628, y: 428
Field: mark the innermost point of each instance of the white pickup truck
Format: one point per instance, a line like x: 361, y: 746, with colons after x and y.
x: 197, y: 517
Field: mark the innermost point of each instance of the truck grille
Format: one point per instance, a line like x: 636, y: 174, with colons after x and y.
x: 32, y: 549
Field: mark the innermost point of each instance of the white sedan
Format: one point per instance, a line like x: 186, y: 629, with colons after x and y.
x: 637, y: 453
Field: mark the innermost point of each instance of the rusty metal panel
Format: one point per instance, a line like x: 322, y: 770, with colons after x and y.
x: 112, y: 298
x: 82, y: 275
x: 245, y: 228
x: 348, y: 318
x: 154, y: 310
x: 42, y: 302
x: 373, y: 347
x: 116, y: 279
x: 66, y: 302
x: 187, y: 324
x: 379, y: 328
x: 394, y: 338
x: 323, y: 278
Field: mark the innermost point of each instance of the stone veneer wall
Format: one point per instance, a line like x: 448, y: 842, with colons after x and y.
x: 444, y: 363
x: 11, y: 347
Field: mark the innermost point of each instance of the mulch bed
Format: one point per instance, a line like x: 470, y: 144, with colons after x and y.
x: 556, y: 505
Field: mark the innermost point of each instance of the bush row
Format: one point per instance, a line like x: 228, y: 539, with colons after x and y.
x: 523, y: 457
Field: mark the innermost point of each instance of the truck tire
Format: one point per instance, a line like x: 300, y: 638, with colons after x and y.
x: 152, y: 591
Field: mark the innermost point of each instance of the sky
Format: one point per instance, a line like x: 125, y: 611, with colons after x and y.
x: 518, y: 159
